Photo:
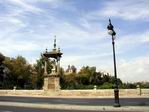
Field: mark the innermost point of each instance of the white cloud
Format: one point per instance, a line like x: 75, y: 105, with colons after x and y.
x: 86, y: 59
x: 134, y: 70
x: 127, y: 10
x: 130, y: 41
x: 29, y: 28
x: 9, y: 46
x: 25, y: 6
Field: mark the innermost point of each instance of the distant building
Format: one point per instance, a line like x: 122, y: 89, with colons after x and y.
x: 71, y: 69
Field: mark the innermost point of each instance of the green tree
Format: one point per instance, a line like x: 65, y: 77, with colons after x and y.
x: 68, y: 81
x: 2, y: 58
x: 86, y: 78
x: 38, y: 72
x: 129, y: 85
x: 19, y: 72
x: 96, y: 78
x: 106, y: 85
x: 144, y: 84
x: 1, y: 70
x: 86, y: 75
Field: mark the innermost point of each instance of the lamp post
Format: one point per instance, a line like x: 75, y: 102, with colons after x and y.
x: 116, y: 90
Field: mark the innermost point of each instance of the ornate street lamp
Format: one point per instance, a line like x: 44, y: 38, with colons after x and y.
x: 116, y: 90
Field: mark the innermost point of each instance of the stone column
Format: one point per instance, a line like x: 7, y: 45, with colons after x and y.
x: 45, y: 67
x: 58, y: 65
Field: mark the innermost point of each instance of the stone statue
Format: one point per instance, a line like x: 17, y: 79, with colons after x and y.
x: 54, y: 67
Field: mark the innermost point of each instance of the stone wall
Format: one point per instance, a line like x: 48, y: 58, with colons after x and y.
x: 105, y: 92
x: 22, y: 92
x: 71, y: 93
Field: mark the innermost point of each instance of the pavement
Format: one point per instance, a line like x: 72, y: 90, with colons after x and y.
x: 45, y: 105
x: 56, y: 96
x: 78, y: 107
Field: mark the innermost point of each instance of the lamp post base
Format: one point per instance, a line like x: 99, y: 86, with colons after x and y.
x: 117, y: 105
x: 116, y: 95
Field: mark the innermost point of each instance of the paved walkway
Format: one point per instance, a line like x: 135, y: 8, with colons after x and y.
x: 54, y: 96
x: 76, y: 107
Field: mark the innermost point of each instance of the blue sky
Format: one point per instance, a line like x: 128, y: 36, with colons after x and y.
x: 28, y: 27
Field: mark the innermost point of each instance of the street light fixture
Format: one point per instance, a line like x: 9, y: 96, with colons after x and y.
x: 116, y: 90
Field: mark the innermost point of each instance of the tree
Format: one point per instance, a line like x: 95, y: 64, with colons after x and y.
x: 86, y: 70
x: 1, y: 70
x: 96, y: 78
x: 2, y: 58
x: 106, y: 85
x: 87, y: 77
x: 69, y: 81
x: 19, y: 72
x: 38, y: 72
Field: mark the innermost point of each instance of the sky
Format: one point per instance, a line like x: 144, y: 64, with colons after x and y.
x: 28, y: 27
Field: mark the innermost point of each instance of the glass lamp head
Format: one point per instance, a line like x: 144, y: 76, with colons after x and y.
x: 110, y: 32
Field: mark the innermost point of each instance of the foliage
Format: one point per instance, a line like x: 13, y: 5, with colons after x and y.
x: 86, y: 78
x: 144, y: 85
x: 38, y: 72
x: 135, y: 85
x: 21, y: 74
x: 128, y: 86
x: 106, y: 85
x: 68, y: 81
x: 1, y: 70
x: 18, y: 72
x: 2, y: 58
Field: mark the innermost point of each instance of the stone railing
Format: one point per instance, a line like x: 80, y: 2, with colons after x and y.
x: 69, y: 93
x: 22, y: 92
x: 105, y: 92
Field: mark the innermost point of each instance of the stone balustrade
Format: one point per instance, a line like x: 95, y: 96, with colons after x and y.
x: 69, y: 93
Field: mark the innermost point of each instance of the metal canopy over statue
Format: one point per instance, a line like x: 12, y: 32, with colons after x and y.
x: 51, y: 81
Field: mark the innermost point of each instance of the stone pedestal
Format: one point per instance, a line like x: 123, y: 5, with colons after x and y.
x: 51, y: 83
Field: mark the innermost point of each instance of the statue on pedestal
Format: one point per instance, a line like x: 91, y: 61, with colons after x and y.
x: 51, y: 81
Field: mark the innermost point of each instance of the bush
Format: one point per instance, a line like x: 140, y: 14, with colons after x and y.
x: 85, y: 87
x: 106, y: 85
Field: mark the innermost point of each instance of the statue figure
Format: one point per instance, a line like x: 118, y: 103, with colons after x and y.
x: 54, y: 67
